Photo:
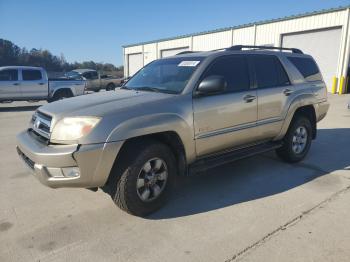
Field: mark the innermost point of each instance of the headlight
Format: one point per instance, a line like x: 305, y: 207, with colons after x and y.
x: 73, y: 128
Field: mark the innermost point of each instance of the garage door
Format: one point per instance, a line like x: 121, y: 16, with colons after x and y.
x: 135, y: 63
x: 323, y: 45
x: 174, y: 51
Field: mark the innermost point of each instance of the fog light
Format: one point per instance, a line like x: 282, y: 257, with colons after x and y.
x: 54, y: 171
x: 71, y: 171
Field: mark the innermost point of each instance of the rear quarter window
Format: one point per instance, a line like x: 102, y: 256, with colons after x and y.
x: 307, y: 67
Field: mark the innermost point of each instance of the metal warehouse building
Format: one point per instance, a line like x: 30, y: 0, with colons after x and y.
x: 324, y: 34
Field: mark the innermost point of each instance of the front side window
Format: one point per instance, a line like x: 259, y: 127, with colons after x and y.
x: 169, y: 75
x: 9, y: 75
x: 94, y: 75
x: 31, y: 74
x: 234, y: 69
x: 87, y: 75
x: 307, y: 67
x: 269, y: 72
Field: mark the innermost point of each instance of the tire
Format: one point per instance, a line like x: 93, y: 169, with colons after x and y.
x: 59, y: 95
x: 297, y: 141
x: 110, y: 87
x: 131, y: 180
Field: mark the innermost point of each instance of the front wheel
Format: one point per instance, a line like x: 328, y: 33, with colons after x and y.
x: 145, y: 182
x: 297, y: 142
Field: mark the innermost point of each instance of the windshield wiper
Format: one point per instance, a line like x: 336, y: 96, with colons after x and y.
x: 152, y: 89
x: 148, y: 88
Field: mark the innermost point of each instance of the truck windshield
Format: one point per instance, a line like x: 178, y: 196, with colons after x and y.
x: 166, y: 75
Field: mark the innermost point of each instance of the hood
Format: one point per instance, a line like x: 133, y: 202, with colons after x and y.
x: 101, y: 104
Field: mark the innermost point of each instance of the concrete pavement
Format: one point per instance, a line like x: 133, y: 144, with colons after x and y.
x: 257, y: 209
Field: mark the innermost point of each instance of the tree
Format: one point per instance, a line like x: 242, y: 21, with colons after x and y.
x: 11, y: 54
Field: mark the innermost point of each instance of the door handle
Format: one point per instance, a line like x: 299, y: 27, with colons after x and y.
x: 287, y: 92
x: 16, y: 84
x: 249, y: 98
x: 40, y: 84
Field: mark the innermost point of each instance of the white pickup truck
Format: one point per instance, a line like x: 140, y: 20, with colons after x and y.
x: 23, y: 83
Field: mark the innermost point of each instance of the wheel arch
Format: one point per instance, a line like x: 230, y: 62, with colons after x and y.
x: 301, y: 104
x: 60, y: 90
x: 169, y: 138
x: 309, y: 112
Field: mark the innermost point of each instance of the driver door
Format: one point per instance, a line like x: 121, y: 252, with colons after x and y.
x: 228, y: 119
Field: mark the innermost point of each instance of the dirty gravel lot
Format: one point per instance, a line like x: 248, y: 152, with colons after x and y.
x: 257, y: 209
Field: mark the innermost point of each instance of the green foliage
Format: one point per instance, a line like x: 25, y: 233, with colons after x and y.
x: 11, y: 54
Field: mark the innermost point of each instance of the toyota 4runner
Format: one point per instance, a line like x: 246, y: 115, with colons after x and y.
x: 177, y: 116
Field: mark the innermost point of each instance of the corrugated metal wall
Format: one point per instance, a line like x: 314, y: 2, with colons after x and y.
x: 212, y: 41
x: 269, y: 33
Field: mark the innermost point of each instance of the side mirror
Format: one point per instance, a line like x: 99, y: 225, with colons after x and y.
x: 212, y: 85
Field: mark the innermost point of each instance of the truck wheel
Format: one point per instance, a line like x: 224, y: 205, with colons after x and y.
x: 110, y: 87
x: 297, y: 141
x: 143, y: 185
x: 60, y: 94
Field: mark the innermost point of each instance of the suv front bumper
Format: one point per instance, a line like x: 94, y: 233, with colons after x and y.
x: 49, y: 163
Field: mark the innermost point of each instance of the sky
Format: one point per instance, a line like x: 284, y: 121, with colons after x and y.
x: 86, y: 30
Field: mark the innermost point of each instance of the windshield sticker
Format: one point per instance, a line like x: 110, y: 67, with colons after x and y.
x: 189, y: 63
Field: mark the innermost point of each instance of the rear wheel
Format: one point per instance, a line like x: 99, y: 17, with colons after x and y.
x: 110, y: 87
x: 297, y: 142
x: 61, y: 94
x: 143, y: 181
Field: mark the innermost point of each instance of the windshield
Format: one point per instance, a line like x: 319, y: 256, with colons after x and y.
x: 166, y: 75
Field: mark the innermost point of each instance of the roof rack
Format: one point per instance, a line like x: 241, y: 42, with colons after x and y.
x: 240, y: 47
x: 186, y: 52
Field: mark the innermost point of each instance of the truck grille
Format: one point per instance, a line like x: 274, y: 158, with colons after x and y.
x: 41, y: 124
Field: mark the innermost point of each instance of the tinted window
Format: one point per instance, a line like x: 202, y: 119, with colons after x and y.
x: 235, y: 71
x: 31, y: 74
x: 269, y: 71
x: 94, y: 75
x: 87, y: 75
x: 9, y: 75
x: 307, y: 67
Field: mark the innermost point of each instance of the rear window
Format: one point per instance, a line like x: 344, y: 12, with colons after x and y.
x: 269, y: 71
x: 9, y: 75
x: 307, y: 67
x: 31, y: 74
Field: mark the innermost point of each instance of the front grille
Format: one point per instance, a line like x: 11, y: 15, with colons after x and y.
x: 41, y: 124
x: 26, y: 159
x: 38, y: 137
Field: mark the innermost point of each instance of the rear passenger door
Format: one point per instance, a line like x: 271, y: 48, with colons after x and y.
x: 227, y: 119
x: 33, y: 85
x: 274, y: 91
x: 9, y: 84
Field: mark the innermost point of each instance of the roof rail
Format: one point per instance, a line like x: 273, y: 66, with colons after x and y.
x: 240, y: 47
x: 186, y: 52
